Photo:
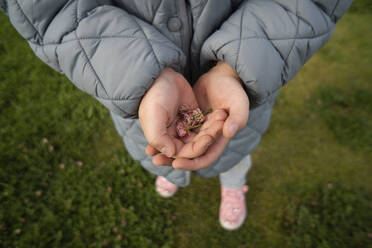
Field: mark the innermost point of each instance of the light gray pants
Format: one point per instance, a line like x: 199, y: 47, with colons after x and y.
x: 235, y: 177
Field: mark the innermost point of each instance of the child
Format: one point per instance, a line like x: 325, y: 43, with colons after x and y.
x: 143, y: 59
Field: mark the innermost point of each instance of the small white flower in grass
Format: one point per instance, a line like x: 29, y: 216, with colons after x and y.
x: 79, y: 163
x: 44, y: 141
x: 62, y: 166
x: 51, y: 148
x: 17, y: 231
x: 38, y: 193
x: 119, y: 237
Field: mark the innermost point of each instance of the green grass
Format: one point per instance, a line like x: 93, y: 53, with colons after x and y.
x: 66, y: 180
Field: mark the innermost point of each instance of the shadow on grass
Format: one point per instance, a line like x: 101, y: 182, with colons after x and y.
x: 327, y: 216
x: 347, y: 112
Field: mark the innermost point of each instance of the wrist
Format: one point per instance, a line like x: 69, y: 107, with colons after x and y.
x: 224, y: 68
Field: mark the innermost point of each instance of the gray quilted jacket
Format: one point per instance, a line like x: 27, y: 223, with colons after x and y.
x: 114, y: 49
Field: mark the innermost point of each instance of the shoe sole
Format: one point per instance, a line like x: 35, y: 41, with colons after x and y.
x: 164, y: 194
x: 231, y: 227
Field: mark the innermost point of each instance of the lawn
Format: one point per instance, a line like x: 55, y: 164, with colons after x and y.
x: 67, y: 181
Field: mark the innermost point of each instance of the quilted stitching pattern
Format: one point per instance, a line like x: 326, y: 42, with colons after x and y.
x: 115, y: 49
x: 287, y: 33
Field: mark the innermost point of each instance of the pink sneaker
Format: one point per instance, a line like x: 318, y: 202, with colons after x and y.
x: 164, y: 187
x: 232, y: 208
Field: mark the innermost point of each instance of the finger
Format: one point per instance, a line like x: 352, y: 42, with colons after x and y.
x: 202, y: 141
x: 204, y: 161
x: 189, y: 138
x: 238, y: 116
x: 211, y: 120
x: 154, y: 125
x: 215, y: 116
x: 151, y: 151
x: 196, y: 148
x: 162, y: 160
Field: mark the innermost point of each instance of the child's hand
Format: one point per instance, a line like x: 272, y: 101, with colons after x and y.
x: 158, y: 112
x: 220, y: 88
x: 197, y: 142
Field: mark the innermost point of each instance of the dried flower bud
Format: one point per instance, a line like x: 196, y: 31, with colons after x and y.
x: 181, y: 130
x: 189, y: 119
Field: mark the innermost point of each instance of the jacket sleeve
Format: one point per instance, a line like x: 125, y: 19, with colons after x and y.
x: 102, y: 49
x: 268, y: 41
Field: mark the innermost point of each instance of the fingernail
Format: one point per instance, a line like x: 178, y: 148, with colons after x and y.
x: 233, y: 129
x: 166, y: 152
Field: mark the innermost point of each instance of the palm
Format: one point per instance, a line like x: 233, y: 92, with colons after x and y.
x: 158, y: 109
x: 219, y: 89
x: 158, y: 115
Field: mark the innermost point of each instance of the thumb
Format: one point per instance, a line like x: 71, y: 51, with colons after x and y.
x: 237, y: 119
x: 164, y: 143
x: 154, y: 125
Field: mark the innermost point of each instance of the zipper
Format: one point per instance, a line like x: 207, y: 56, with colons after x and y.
x: 186, y: 33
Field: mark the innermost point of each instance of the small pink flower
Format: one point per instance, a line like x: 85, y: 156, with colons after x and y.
x: 181, y: 130
x: 185, y: 108
x: 198, y: 115
x: 189, y: 119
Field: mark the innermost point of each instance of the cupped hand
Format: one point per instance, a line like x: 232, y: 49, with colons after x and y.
x: 158, y: 113
x: 220, y: 89
x: 196, y: 143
